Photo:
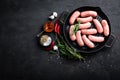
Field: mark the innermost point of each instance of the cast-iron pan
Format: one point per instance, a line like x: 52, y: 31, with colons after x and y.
x: 64, y: 20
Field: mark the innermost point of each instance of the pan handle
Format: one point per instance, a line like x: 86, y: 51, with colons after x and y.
x: 63, y: 17
x: 110, y: 41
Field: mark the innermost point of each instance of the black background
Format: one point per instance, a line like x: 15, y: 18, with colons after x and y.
x: 21, y: 57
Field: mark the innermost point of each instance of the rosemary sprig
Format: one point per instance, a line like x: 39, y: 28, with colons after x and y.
x: 76, y: 28
x: 66, y: 50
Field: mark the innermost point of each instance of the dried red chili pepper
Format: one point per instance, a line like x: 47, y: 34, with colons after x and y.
x: 57, y: 27
x: 58, y: 30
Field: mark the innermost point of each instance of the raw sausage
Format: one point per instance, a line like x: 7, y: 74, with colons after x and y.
x: 105, y: 27
x: 88, y: 13
x: 95, y: 38
x: 98, y: 25
x: 88, y: 42
x: 85, y: 25
x: 79, y: 38
x: 89, y: 31
x: 72, y: 36
x: 84, y: 20
x: 74, y: 16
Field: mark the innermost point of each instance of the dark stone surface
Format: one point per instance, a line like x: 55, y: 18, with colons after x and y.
x: 21, y: 57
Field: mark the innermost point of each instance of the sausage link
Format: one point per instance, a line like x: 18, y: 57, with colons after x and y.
x: 98, y: 25
x: 72, y: 36
x: 105, y: 27
x: 74, y: 16
x: 96, y: 38
x: 88, y: 42
x: 84, y: 20
x: 85, y: 25
x: 79, y: 38
x: 89, y: 31
x: 89, y: 13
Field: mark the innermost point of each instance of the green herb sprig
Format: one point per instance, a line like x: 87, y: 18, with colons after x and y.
x: 66, y: 50
x: 76, y: 28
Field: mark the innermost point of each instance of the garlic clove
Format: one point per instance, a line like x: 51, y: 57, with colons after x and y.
x: 55, y: 47
x: 55, y: 14
x: 52, y: 17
